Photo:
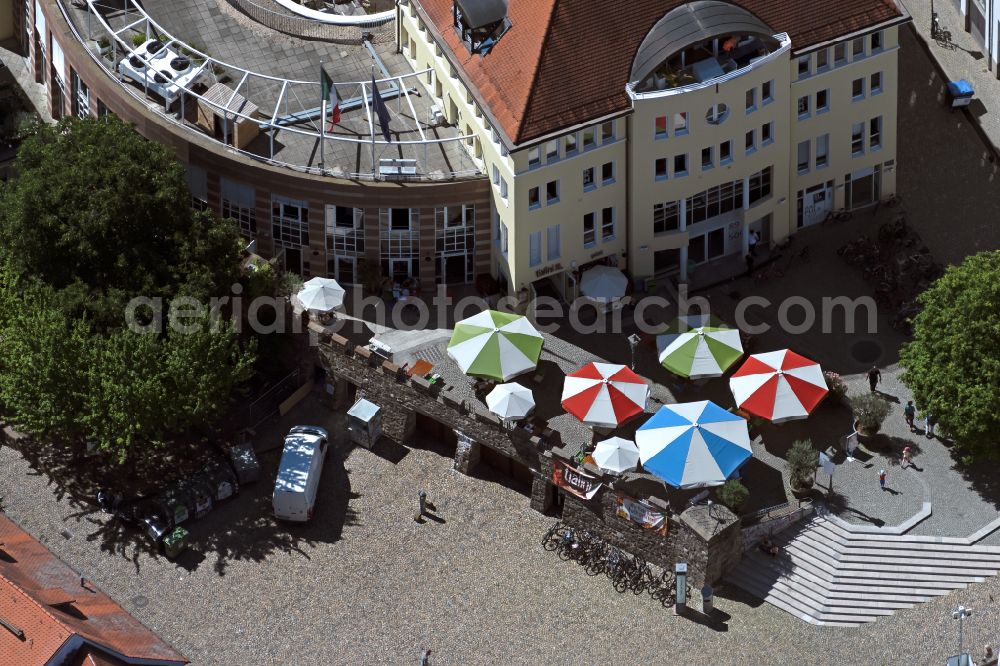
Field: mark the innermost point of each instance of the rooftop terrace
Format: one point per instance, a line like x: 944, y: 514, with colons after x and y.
x: 280, y: 76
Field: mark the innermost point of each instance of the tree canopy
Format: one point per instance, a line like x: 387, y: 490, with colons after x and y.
x: 96, y: 216
x: 952, y: 364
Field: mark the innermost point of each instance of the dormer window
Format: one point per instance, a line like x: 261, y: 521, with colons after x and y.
x: 480, y: 23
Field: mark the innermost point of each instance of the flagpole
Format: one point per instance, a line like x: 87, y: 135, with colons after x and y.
x: 322, y: 123
x: 374, y: 173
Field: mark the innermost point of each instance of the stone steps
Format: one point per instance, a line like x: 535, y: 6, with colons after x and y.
x: 828, y: 575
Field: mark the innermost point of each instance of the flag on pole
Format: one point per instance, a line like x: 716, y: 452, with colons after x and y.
x: 329, y: 93
x: 378, y: 104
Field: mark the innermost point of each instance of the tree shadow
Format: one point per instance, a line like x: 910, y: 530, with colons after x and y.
x: 837, y: 504
x: 765, y: 484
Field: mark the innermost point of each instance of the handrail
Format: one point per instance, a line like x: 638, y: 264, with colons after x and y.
x: 370, y: 20
x: 233, y: 113
x: 782, y: 37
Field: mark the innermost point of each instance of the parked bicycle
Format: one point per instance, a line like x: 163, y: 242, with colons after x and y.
x: 835, y: 216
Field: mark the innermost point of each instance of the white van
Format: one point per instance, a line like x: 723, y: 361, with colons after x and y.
x: 299, y: 472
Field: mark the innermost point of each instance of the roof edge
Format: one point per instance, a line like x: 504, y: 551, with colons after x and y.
x: 534, y: 75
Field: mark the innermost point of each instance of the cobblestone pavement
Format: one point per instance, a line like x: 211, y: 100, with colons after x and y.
x: 364, y: 584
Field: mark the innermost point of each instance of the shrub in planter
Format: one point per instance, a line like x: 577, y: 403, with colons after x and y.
x: 138, y: 39
x: 836, y: 384
x: 733, y: 494
x: 802, y: 462
x: 870, y: 411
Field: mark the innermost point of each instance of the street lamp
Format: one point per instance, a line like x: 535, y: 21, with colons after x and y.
x: 960, y: 614
x: 633, y: 342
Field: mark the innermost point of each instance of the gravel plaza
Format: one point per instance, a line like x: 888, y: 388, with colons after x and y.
x: 365, y: 584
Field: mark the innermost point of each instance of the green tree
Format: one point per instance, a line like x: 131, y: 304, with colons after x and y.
x: 99, y: 212
x: 952, y: 365
x: 802, y: 462
x: 733, y: 494
x: 96, y: 217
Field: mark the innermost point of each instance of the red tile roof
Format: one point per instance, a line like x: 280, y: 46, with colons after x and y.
x: 31, y: 580
x: 565, y: 62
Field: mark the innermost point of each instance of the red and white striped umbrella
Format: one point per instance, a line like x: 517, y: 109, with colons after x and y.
x: 604, y: 394
x: 778, y: 385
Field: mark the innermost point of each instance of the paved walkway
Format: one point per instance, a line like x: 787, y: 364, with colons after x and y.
x: 961, y: 58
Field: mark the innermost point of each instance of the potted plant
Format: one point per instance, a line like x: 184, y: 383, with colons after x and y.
x: 836, y: 384
x: 103, y: 45
x: 138, y: 39
x: 802, y: 462
x: 870, y: 411
x: 733, y: 494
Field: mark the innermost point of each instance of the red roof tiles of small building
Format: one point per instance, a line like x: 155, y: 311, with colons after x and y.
x: 566, y: 62
x: 45, y: 609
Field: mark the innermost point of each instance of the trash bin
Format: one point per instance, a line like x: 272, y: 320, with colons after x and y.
x: 706, y: 599
x: 175, y: 543
x: 244, y: 462
x: 960, y: 92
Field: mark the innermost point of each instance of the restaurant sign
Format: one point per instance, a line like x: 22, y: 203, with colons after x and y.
x: 639, y: 511
x: 549, y: 269
x: 579, y: 483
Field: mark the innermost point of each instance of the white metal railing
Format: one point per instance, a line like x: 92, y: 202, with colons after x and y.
x: 311, y: 29
x: 783, y: 39
x: 288, y: 89
x: 369, y: 20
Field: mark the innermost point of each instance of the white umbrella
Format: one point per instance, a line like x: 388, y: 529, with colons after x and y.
x: 616, y: 455
x: 510, y: 401
x: 603, y: 283
x: 321, y: 294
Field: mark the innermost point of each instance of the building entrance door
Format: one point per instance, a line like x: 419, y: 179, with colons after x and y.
x: 815, y: 203
x: 293, y: 260
x: 452, y: 269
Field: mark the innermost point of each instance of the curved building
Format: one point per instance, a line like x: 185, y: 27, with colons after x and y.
x: 527, y: 139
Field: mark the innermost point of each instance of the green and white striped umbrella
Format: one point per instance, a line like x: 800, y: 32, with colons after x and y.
x: 697, y: 347
x: 495, y: 345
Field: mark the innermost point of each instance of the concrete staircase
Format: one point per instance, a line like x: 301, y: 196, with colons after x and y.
x: 828, y: 574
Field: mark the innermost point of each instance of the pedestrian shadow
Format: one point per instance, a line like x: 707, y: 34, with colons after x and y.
x: 888, y: 397
x: 836, y: 503
x: 891, y: 491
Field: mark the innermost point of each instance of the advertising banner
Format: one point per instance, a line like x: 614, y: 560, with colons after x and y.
x: 642, y: 513
x: 579, y: 483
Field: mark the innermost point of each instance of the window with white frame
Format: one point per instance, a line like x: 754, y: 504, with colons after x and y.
x: 858, y: 89
x: 666, y: 217
x: 607, y: 131
x: 607, y: 223
x: 607, y: 173
x: 822, y: 59
x: 803, y: 153
x: 660, y: 168
x: 552, y: 150
x: 680, y: 123
x: 725, y: 152
x: 589, y: 229
x: 289, y: 222
x: 759, y: 186
x: 681, y: 165
x: 551, y: 192
x: 660, y: 127
x: 875, y: 133
x: 876, y: 83
x: 822, y: 101
x: 496, y: 175
x: 552, y: 251
x: 569, y: 143
x: 857, y: 139
x: 803, y: 106
x: 504, y: 236
x: 767, y: 133
x: 588, y: 178
x: 534, y: 199
x: 197, y: 182
x: 751, y: 100
x: 81, y: 96
x: 876, y: 41
x: 588, y: 138
x: 767, y: 92
x: 707, y: 158
x: 822, y: 151
x: 717, y: 114
x: 345, y: 230
x: 534, y: 157
x: 858, y: 48
x: 534, y: 248
x: 503, y: 189
x: 239, y: 203
x: 803, y: 66
x: 713, y: 202
x: 398, y: 231
x: 750, y: 141
x: 839, y: 54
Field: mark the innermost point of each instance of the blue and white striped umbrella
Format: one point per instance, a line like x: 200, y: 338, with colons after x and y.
x: 693, y: 444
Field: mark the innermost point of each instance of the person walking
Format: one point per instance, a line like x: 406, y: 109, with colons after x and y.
x: 929, y: 422
x: 881, y: 478
x: 750, y: 263
x: 752, y: 242
x: 874, y: 377
x: 909, y: 413
x: 906, y: 457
